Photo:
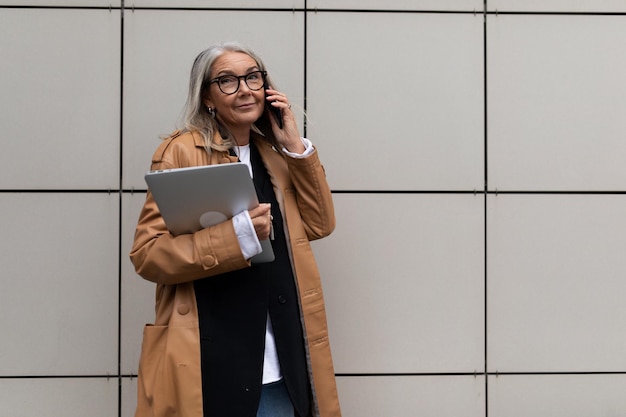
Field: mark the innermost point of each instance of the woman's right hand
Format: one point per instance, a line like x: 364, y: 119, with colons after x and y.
x: 261, y: 217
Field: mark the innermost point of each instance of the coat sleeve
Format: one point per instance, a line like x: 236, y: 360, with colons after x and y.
x: 161, y: 257
x: 313, y: 195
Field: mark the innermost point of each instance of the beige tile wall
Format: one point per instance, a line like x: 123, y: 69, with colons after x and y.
x: 476, y: 156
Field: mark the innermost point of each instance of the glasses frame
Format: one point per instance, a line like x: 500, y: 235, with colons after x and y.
x: 239, y: 78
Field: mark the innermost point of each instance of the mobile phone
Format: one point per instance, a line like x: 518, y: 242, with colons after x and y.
x: 275, y: 111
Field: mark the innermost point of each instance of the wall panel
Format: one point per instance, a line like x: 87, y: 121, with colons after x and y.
x: 555, y: 283
x: 138, y: 295
x: 405, y: 109
x: 563, y: 6
x: 60, y: 95
x: 476, y: 159
x: 128, y: 397
x: 557, y: 395
x: 60, y: 283
x: 557, y: 102
x: 442, y: 396
x: 63, y: 397
x: 405, y: 291
x: 243, y: 4
x: 395, y: 5
x: 158, y: 61
x: 64, y: 3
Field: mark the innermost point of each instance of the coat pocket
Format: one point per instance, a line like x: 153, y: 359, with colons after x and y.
x: 169, y: 380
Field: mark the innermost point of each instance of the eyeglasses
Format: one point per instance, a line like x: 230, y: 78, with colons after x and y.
x: 229, y: 84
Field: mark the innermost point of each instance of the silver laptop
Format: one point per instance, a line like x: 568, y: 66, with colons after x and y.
x: 193, y: 198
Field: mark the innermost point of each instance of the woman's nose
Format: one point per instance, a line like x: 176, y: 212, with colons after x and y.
x: 243, y: 85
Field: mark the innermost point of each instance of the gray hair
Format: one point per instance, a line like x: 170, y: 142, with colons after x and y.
x: 195, y: 115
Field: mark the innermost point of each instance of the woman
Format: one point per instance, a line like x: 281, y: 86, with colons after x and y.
x: 232, y: 338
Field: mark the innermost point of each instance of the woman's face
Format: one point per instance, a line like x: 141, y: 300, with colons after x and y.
x: 241, y: 109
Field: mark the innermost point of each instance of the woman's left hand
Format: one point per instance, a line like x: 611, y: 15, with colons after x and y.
x: 288, y: 137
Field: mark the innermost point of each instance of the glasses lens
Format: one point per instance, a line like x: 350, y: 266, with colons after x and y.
x: 228, y: 84
x: 254, y: 80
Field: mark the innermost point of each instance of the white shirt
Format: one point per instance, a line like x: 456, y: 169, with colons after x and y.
x: 251, y: 246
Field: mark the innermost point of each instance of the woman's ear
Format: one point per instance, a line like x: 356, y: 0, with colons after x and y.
x: 206, y: 99
x: 208, y: 102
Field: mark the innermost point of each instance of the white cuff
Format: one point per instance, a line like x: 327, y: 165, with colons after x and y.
x: 248, y: 240
x: 308, y: 145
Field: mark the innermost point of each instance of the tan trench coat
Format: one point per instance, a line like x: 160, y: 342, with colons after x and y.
x: 169, y: 379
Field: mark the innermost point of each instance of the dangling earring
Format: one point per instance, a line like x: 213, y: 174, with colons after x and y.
x: 211, y: 111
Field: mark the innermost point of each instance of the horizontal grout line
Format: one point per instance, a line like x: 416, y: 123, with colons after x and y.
x: 314, y: 10
x: 553, y: 13
x: 59, y: 191
x: 321, y: 10
x: 475, y: 192
x: 558, y: 192
x: 481, y: 192
x: 59, y: 376
x: 496, y: 374
x: 559, y: 373
x: 44, y: 7
x: 218, y: 9
x: 245, y: 9
x: 403, y: 374
x: 347, y: 375
x: 407, y: 192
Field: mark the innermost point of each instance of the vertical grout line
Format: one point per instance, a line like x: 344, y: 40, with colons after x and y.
x: 304, y: 121
x: 120, y: 213
x: 486, y: 184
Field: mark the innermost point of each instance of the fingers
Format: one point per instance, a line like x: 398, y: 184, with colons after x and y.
x: 262, y: 220
x: 287, y: 135
x: 262, y: 209
x: 277, y: 99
